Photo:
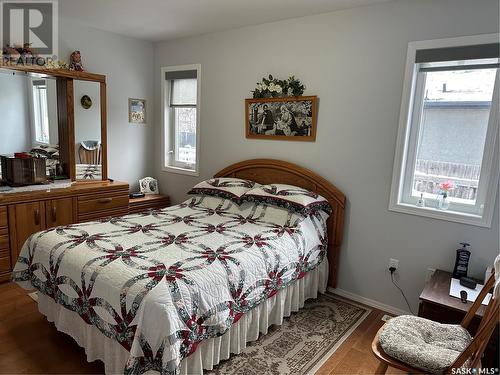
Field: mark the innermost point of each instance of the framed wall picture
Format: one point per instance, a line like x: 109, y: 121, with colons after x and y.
x: 288, y: 119
x: 137, y: 111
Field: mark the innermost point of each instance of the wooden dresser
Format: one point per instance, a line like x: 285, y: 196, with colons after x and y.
x: 148, y: 202
x: 22, y: 214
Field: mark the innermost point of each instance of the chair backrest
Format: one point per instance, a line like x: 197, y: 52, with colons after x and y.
x: 490, y: 319
x: 90, y: 156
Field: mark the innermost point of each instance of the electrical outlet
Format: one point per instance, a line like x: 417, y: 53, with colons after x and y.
x: 393, y: 263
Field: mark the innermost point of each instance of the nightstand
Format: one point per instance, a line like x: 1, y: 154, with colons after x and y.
x: 437, y: 304
x: 148, y: 202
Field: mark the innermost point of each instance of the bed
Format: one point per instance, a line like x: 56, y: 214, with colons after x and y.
x: 180, y: 289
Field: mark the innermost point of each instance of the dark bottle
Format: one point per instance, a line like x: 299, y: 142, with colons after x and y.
x: 462, y: 261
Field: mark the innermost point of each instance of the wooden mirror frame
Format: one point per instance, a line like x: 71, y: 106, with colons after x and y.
x: 66, y: 114
x: 268, y: 171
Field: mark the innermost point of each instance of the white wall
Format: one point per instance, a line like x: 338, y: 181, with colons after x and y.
x: 354, y: 61
x: 87, y: 121
x: 14, y: 118
x: 127, y: 64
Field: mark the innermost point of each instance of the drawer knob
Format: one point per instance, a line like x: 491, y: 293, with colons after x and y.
x: 105, y: 200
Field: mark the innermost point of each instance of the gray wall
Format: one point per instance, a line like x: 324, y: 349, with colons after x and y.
x: 127, y: 64
x: 354, y: 61
x: 15, y: 117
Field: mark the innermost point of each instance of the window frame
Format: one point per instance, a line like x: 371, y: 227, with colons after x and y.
x: 36, y: 113
x: 168, y: 123
x: 407, y: 140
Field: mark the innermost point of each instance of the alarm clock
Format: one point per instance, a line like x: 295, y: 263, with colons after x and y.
x: 149, y: 185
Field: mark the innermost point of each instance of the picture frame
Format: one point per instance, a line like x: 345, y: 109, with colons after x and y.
x: 287, y: 119
x: 137, y: 111
x: 86, y: 102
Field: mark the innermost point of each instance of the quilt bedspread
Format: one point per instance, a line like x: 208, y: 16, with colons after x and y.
x: 162, y: 281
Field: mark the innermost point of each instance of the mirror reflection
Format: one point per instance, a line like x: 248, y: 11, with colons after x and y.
x: 29, y: 136
x: 88, y: 147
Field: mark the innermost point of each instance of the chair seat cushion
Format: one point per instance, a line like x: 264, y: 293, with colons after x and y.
x: 423, y: 343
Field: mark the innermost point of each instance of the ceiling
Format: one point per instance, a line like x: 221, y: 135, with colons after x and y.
x: 157, y: 20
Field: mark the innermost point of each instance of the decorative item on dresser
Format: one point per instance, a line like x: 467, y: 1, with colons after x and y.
x: 149, y: 185
x: 29, y: 209
x: 148, y: 202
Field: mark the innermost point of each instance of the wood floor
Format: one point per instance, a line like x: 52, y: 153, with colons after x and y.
x: 29, y: 344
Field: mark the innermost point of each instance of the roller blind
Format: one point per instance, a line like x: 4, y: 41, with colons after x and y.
x: 183, y: 92
x: 476, y: 52
x: 180, y: 74
x: 39, y: 83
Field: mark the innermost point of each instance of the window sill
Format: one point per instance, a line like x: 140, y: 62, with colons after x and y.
x: 448, y: 215
x: 178, y: 170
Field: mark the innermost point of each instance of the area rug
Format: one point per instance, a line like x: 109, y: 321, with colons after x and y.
x: 302, y: 344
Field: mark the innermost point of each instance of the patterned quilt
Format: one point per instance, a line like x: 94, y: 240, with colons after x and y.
x: 162, y: 281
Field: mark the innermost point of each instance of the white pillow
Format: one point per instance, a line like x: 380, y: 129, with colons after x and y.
x: 224, y: 187
x: 290, y: 197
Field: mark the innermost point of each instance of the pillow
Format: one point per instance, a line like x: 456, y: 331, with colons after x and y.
x: 224, y: 187
x: 289, y: 197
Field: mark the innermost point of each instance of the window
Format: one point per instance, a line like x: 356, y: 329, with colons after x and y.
x: 181, y: 93
x: 40, y: 112
x: 448, y: 130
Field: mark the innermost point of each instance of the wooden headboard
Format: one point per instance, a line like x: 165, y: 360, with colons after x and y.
x: 268, y: 171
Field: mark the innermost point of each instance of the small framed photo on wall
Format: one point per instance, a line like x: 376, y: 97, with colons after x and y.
x: 137, y: 111
x: 286, y: 119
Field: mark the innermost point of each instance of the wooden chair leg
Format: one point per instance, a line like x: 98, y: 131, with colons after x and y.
x: 382, y: 368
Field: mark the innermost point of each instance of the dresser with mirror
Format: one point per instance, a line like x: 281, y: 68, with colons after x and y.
x: 53, y: 155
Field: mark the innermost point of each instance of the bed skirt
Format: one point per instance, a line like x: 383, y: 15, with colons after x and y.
x: 210, y: 352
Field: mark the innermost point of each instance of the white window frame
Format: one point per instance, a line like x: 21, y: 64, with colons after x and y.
x: 405, y: 156
x: 34, y: 112
x: 167, y: 120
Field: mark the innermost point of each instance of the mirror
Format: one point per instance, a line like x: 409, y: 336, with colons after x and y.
x: 88, y: 147
x: 29, y: 122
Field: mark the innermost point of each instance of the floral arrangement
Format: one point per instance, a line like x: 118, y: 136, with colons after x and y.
x: 445, y: 187
x: 271, y: 87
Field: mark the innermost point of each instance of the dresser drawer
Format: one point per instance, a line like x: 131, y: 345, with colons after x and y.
x: 3, y: 217
x: 103, y: 215
x: 155, y: 202
x: 5, y: 264
x: 105, y: 202
x: 4, y: 245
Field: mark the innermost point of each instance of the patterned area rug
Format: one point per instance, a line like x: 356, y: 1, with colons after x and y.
x: 302, y: 344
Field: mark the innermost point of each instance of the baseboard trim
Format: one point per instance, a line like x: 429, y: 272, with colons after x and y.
x: 369, y: 302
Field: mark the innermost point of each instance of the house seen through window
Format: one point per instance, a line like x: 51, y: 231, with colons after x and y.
x: 454, y: 123
x: 449, y: 124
